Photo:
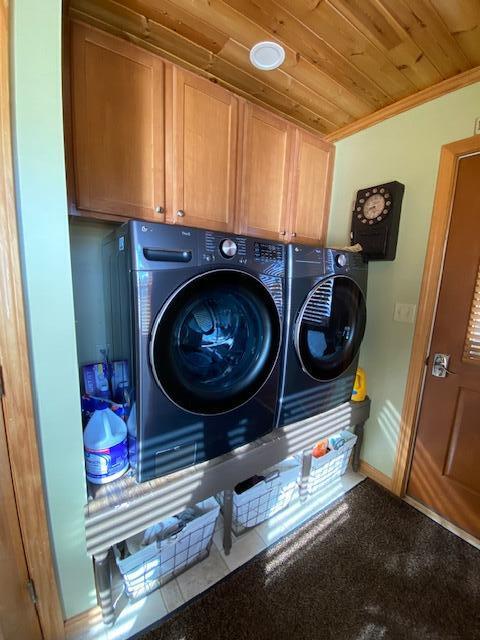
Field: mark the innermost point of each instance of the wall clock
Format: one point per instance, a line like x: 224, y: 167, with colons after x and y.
x: 375, y: 220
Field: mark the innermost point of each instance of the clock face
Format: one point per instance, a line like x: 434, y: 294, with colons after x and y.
x: 373, y: 206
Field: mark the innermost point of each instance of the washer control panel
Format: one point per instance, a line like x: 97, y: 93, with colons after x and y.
x: 216, y: 247
x: 268, y: 252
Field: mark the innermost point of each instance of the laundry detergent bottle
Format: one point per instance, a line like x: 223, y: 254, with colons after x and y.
x: 106, y: 449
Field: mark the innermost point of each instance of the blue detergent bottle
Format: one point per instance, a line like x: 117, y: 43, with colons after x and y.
x: 105, y: 445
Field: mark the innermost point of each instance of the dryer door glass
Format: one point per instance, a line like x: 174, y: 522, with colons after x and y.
x: 215, y: 342
x: 330, y: 328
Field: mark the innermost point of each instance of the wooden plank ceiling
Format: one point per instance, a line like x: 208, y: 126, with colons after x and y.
x: 345, y: 59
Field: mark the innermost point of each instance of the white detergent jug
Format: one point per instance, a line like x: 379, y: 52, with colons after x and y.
x: 105, y: 444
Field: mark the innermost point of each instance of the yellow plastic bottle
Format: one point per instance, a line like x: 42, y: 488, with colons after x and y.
x: 360, y: 386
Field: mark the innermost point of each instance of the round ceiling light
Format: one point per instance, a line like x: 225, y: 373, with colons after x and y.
x: 267, y: 55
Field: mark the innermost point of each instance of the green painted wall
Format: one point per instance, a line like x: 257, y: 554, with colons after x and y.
x: 43, y: 223
x: 404, y: 148
x: 86, y: 237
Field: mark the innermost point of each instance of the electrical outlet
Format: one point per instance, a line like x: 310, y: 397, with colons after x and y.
x: 476, y: 130
x: 404, y: 312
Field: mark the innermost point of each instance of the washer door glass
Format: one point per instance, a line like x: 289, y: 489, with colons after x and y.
x: 330, y: 328
x: 215, y: 342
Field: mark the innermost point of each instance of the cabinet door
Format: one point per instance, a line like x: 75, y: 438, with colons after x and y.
x: 205, y: 124
x: 118, y: 126
x: 311, y: 188
x: 266, y: 160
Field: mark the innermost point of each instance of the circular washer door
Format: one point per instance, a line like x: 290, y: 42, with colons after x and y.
x: 330, y: 328
x: 215, y: 342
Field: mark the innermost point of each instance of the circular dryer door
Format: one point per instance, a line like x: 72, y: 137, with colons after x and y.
x: 215, y: 342
x: 330, y: 328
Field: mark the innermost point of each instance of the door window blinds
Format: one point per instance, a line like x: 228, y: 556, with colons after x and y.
x: 471, y: 352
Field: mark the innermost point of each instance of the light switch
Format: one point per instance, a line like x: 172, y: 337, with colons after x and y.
x: 404, y: 312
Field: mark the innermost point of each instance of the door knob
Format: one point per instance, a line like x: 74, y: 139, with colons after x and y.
x: 440, y: 365
x: 294, y: 235
x: 159, y: 209
x: 180, y: 213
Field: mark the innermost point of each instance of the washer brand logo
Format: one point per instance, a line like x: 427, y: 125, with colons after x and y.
x: 186, y: 233
x: 144, y: 228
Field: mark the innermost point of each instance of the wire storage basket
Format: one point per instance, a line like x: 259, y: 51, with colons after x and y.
x: 267, y: 497
x: 332, y: 465
x: 179, y: 543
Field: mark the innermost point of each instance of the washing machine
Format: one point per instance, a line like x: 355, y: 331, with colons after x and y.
x: 198, y: 314
x: 323, y: 330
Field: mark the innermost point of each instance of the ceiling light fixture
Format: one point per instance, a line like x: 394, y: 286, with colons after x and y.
x: 267, y: 55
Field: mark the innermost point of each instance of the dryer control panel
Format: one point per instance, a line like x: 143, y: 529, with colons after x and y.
x: 217, y: 248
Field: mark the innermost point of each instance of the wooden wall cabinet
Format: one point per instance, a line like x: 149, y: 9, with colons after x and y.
x: 205, y: 128
x: 285, y: 180
x: 118, y: 126
x: 311, y: 180
x: 265, y: 173
x: 150, y: 140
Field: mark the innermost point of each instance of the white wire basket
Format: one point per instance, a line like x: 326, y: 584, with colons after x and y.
x: 266, y: 498
x: 155, y: 564
x: 332, y: 465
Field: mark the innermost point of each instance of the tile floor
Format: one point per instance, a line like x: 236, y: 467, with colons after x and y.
x: 132, y: 618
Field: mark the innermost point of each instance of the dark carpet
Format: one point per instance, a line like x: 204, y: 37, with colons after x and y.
x: 370, y: 567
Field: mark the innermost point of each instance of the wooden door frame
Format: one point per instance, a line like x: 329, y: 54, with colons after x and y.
x: 432, y: 275
x: 17, y: 400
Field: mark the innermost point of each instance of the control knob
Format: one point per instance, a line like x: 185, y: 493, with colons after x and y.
x: 228, y: 248
x: 341, y: 260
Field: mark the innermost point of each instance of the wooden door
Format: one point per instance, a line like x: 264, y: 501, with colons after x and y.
x: 205, y: 127
x: 118, y: 126
x: 445, y: 472
x: 311, y: 188
x: 18, y: 615
x: 266, y: 164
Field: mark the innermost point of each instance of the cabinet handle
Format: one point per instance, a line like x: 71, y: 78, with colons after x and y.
x: 159, y: 209
x: 180, y: 213
x: 294, y: 235
x: 283, y: 233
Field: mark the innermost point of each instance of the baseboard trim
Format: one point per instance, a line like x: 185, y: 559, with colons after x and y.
x: 82, y: 626
x: 464, y: 535
x: 376, y: 475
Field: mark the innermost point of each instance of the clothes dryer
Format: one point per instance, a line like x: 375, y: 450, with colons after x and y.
x: 323, y: 330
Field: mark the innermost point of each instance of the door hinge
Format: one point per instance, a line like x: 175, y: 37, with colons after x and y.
x: 32, y: 591
x: 2, y: 388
